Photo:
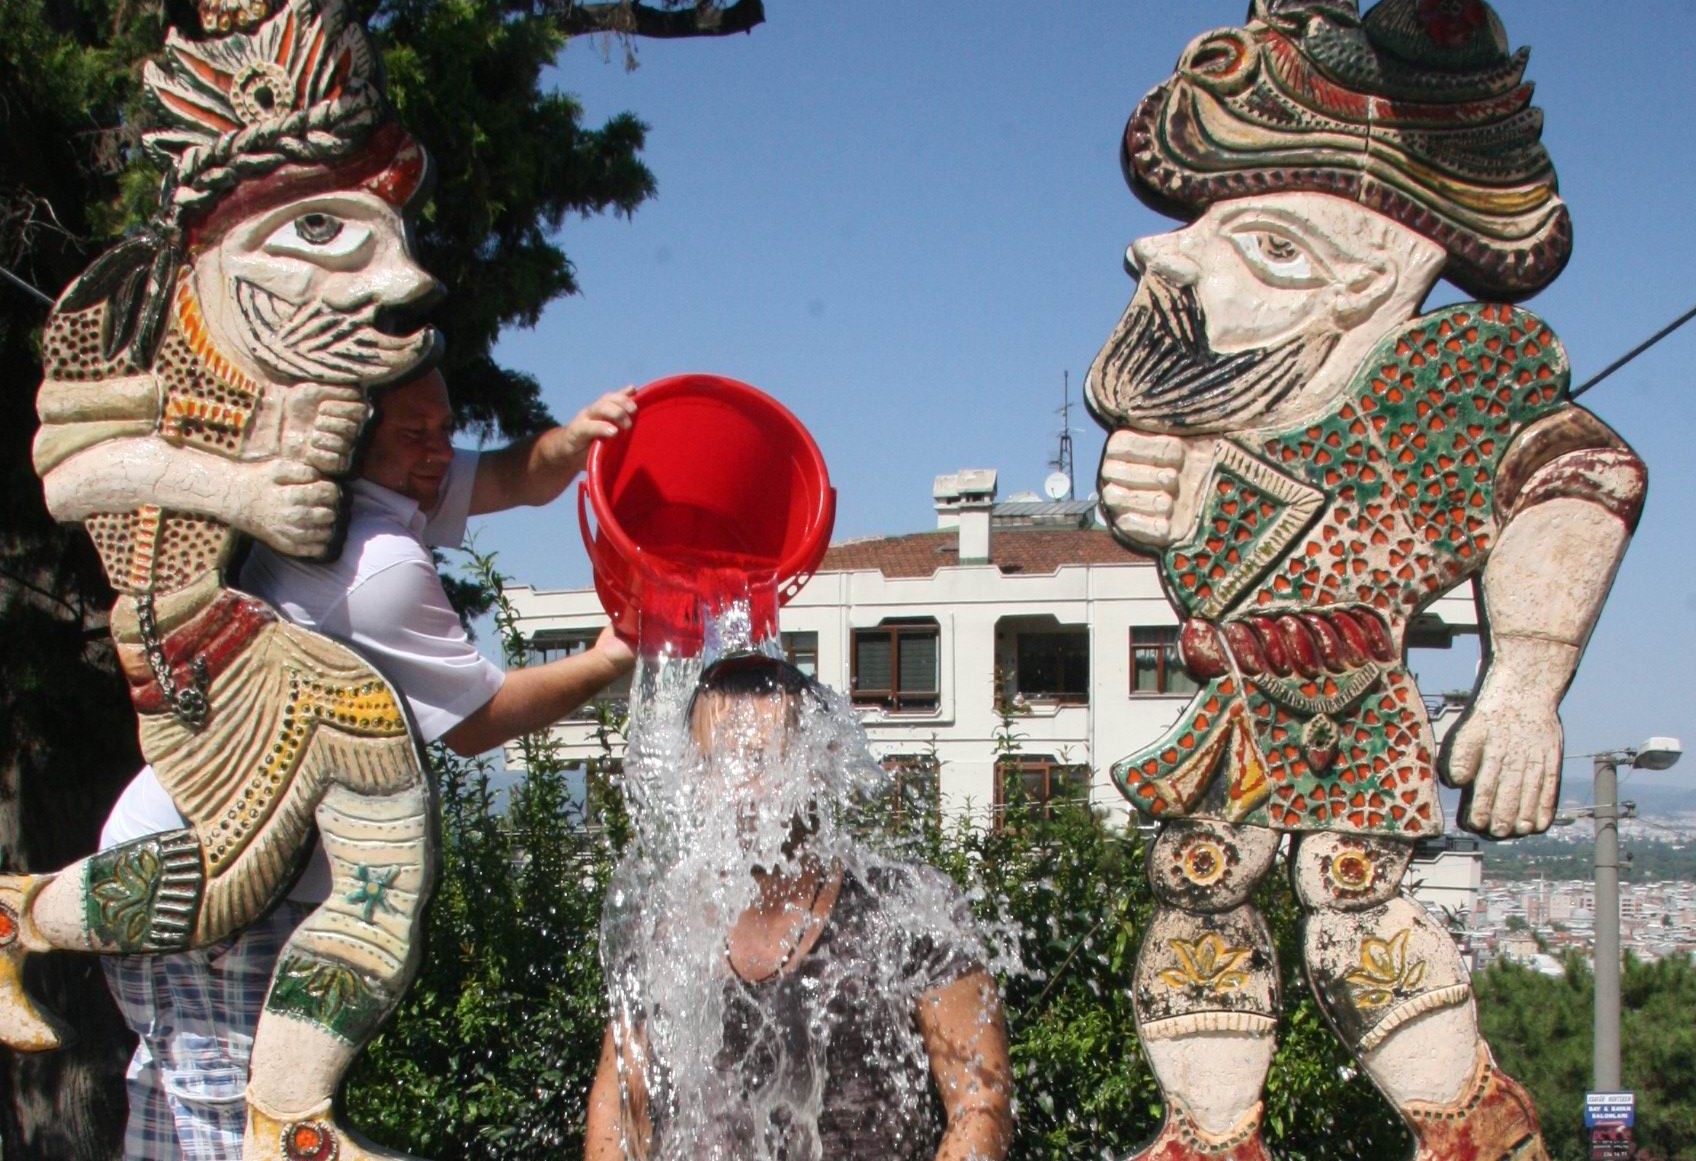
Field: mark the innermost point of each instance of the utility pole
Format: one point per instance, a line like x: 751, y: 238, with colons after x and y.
x: 1654, y: 754
x: 1606, y: 1060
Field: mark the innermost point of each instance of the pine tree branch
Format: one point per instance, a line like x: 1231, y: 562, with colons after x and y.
x: 46, y: 597
x: 632, y: 18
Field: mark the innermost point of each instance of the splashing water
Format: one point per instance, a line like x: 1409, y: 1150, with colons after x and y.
x: 812, y: 1052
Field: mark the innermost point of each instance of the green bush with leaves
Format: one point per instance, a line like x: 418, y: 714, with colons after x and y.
x: 1543, y: 1032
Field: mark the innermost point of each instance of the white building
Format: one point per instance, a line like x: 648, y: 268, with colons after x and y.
x: 1031, y: 605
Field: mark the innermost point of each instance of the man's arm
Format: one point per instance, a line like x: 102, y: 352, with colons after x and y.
x: 535, y: 698
x: 600, y: 1133
x: 536, y: 470
x: 603, y: 1135
x: 965, y: 1036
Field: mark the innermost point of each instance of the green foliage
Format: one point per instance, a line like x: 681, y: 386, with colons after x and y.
x: 1074, y: 890
x: 512, y: 160
x: 1071, y: 892
x: 1541, y: 856
x: 1542, y: 1031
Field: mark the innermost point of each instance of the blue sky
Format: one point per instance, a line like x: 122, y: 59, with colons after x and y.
x: 907, y: 221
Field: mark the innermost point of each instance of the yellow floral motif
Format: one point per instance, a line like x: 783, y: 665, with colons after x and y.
x: 1208, y: 963
x: 1385, y: 972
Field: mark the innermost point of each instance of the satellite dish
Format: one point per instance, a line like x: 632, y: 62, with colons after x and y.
x: 1058, y: 486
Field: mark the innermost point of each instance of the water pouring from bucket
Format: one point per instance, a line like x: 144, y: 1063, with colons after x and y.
x: 717, y: 496
x: 778, y: 988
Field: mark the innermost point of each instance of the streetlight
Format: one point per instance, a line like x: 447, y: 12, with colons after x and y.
x: 1654, y: 754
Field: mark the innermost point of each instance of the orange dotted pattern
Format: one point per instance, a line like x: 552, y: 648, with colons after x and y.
x: 208, y: 402
x: 1237, y: 521
x: 1381, y: 779
x: 1153, y: 780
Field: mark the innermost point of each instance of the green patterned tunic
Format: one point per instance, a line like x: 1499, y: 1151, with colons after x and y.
x: 1316, y: 547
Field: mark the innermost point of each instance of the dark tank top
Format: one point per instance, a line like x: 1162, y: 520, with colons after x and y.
x: 839, y: 1026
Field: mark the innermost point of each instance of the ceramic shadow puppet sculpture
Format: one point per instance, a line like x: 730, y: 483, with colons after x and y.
x: 1313, y: 462
x: 204, y: 380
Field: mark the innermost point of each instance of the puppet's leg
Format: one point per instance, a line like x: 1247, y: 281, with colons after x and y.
x: 349, y: 962
x: 1206, y: 990
x: 1393, y: 984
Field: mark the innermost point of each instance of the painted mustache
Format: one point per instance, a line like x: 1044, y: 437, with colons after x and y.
x: 314, y: 341
x: 1159, y: 373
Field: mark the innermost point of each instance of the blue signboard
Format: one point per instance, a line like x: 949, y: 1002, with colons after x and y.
x: 1610, y: 1108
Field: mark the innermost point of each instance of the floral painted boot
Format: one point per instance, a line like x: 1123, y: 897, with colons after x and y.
x: 23, y: 1025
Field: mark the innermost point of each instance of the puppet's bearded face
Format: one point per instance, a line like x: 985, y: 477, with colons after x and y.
x: 321, y: 289
x: 1238, y: 315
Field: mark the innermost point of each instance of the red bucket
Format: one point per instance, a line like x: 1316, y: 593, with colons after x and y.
x: 716, y: 493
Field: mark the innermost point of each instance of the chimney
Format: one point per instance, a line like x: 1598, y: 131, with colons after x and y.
x: 966, y: 500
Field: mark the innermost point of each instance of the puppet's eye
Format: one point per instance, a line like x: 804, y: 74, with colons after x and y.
x: 318, y: 229
x: 1279, y: 258
x: 319, y: 236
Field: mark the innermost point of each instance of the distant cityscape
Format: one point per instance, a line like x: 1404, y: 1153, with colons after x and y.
x: 1533, y: 901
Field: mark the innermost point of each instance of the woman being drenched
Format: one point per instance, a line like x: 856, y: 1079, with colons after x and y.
x: 779, y: 991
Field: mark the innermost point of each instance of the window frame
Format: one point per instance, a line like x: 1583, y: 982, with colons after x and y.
x: 1019, y: 634
x: 1167, y: 663
x: 896, y: 700
x: 902, y: 768
x: 1053, y: 771
x: 789, y: 641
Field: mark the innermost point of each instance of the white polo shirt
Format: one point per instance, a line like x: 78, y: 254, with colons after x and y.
x: 383, y: 597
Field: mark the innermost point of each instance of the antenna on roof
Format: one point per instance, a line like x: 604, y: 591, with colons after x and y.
x: 1062, y: 462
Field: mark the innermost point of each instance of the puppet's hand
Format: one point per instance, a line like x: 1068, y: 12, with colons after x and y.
x: 321, y: 425
x: 1150, y: 486
x: 290, y: 507
x: 1507, y: 750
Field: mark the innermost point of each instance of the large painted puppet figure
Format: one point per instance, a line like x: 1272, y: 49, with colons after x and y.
x: 1313, y: 461
x: 208, y: 379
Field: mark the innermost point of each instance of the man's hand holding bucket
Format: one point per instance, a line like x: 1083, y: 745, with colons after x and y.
x: 535, y: 471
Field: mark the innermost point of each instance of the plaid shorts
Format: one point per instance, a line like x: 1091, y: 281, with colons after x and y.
x: 195, y: 1013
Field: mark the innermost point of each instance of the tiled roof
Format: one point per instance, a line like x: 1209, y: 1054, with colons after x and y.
x: 1038, y: 551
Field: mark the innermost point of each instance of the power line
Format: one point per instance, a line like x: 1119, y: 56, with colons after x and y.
x: 24, y: 286
x: 1634, y: 352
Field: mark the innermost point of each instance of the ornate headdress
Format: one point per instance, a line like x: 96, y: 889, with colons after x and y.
x: 1416, y: 110
x: 303, y: 86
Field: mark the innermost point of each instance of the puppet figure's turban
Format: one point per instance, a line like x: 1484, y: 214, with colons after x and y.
x: 1416, y: 110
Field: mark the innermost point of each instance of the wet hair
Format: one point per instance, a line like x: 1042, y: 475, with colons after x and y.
x: 749, y: 674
